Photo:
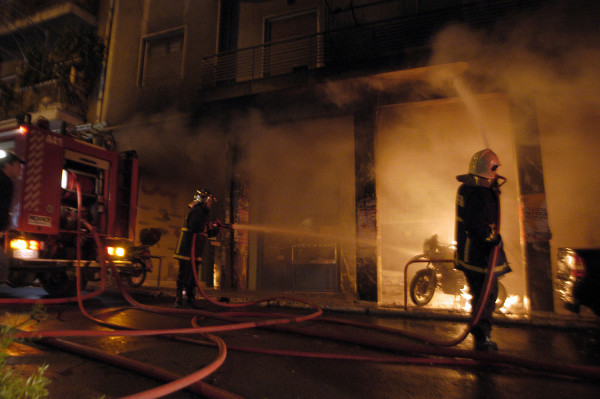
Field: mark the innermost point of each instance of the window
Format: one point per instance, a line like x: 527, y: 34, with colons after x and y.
x: 291, y: 43
x: 162, y: 57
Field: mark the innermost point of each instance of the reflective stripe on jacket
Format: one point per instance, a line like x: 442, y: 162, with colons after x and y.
x: 184, y: 246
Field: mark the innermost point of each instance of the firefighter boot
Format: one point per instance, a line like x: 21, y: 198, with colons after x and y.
x: 190, y: 300
x: 180, y: 297
x: 486, y: 345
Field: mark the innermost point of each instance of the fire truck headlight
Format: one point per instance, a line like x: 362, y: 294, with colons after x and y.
x: 18, y: 244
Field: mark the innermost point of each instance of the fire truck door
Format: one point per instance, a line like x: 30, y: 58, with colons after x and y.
x: 40, y: 191
x: 89, y: 174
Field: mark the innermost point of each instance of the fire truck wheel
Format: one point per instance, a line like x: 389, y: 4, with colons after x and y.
x: 137, y: 276
x: 58, y: 284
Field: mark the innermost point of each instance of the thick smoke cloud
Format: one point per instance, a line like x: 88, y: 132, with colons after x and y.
x: 548, y: 58
x: 172, y: 151
x: 551, y: 55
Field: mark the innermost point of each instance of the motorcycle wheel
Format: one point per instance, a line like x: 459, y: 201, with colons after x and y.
x: 501, y: 296
x: 138, y: 274
x: 422, y: 287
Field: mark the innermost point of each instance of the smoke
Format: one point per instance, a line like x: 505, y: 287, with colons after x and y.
x: 551, y: 56
x: 548, y: 58
x: 172, y: 151
x: 300, y: 172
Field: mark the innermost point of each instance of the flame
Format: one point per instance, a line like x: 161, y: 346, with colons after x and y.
x: 511, y: 301
x: 464, y: 293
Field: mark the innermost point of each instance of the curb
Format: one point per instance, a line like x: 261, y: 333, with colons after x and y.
x: 348, y: 306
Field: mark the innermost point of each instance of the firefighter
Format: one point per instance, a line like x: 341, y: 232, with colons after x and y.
x: 476, y: 235
x: 10, y: 169
x: 196, y: 222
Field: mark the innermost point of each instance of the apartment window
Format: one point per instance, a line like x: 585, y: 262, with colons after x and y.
x: 162, y: 57
x: 291, y: 43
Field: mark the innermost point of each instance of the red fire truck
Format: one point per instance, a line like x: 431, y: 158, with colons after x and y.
x: 42, y: 242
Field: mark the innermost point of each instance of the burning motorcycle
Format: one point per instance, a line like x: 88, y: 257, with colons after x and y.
x: 441, y: 274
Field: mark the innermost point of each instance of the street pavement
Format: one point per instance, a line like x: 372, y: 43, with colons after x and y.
x: 320, y: 359
x: 346, y: 304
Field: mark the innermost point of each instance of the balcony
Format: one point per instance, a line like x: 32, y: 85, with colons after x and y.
x: 26, y: 12
x: 393, y: 44
x: 46, y: 96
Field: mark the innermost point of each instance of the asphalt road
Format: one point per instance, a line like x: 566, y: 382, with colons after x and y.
x: 310, y: 359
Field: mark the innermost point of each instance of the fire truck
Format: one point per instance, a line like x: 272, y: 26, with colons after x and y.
x: 66, y: 176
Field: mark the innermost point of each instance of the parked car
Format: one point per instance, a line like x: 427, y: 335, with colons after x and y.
x: 578, y: 278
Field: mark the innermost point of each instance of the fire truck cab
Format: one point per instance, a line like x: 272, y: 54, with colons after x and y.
x: 65, y: 174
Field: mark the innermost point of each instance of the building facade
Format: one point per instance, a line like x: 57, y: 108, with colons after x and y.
x: 332, y: 132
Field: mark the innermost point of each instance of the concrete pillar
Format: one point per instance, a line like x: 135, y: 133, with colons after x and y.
x: 237, y: 277
x: 366, y: 205
x: 532, y: 200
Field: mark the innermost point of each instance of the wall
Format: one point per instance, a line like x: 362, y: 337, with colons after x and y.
x: 548, y: 60
x: 175, y: 160
x: 132, y: 21
x: 420, y: 149
x: 301, y: 187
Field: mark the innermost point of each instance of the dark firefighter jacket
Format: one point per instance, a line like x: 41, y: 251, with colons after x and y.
x: 6, y: 193
x: 196, y: 222
x: 477, y: 215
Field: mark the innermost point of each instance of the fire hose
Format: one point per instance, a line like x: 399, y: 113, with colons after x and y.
x: 182, y: 382
x: 178, y: 383
x: 457, y: 357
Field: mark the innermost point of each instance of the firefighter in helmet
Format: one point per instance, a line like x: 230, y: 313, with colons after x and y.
x: 477, y: 235
x: 196, y: 222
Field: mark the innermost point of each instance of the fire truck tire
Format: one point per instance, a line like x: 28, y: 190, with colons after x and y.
x: 138, y: 274
x: 422, y: 287
x: 59, y: 284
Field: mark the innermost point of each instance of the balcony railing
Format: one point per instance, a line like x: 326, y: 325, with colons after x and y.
x: 46, y: 95
x: 391, y: 42
x: 27, y: 8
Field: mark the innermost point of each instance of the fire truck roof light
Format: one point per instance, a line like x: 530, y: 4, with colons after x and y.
x: 23, y: 129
